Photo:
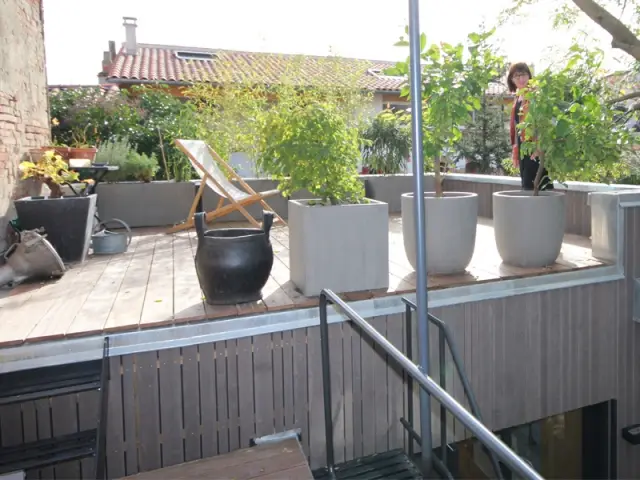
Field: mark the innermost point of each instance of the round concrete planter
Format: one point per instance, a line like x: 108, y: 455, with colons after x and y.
x: 528, y: 230
x: 450, y: 230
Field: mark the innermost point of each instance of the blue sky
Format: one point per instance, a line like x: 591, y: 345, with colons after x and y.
x: 77, y: 31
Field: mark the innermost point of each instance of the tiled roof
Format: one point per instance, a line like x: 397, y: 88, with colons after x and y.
x: 174, y: 64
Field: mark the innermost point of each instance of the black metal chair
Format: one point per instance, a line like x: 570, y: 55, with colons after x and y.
x: 46, y: 382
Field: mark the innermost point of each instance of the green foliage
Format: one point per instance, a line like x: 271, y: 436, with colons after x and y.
x: 485, y: 140
x: 304, y: 136
x: 454, y: 80
x: 134, y: 166
x: 149, y: 116
x: 49, y: 169
x: 569, y: 124
x: 387, y: 142
x: 309, y: 145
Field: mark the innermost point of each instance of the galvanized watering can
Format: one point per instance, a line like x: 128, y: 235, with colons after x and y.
x: 106, y: 242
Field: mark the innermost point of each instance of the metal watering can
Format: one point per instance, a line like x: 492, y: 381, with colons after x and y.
x: 106, y: 242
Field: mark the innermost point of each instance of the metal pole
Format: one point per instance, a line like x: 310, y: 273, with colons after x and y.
x: 409, y: 350
x: 415, y: 85
x: 326, y: 383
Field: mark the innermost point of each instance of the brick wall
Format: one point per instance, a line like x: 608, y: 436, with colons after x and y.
x: 24, y: 119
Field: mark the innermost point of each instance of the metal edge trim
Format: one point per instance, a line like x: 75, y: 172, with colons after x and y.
x: 515, y: 181
x: 90, y: 348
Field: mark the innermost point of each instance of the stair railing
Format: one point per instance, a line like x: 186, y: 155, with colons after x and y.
x: 475, y: 426
x: 445, y: 338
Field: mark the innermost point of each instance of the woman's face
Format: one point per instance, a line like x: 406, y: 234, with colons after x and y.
x: 520, y: 79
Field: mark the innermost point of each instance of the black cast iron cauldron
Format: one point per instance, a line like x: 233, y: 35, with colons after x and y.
x: 233, y: 264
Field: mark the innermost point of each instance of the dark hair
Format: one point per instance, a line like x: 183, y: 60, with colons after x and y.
x: 519, y: 67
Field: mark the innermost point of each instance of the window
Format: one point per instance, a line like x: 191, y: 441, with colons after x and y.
x: 207, y: 56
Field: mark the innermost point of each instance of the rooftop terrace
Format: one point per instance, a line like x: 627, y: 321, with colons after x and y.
x: 155, y: 284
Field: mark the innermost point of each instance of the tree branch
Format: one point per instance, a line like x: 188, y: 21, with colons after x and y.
x: 622, y: 37
x: 628, y: 96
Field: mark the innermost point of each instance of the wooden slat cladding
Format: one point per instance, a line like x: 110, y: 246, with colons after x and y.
x: 528, y: 357
x: 578, y: 213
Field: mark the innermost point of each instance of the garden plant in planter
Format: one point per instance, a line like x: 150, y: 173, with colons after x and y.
x: 67, y: 221
x: 338, y: 239
x: 571, y: 128
x: 453, y: 84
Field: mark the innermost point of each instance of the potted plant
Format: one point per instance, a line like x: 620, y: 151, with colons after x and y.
x: 67, y: 220
x: 128, y: 192
x: 338, y: 239
x: 571, y: 128
x: 453, y: 84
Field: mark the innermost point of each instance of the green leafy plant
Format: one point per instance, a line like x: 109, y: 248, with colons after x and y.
x: 311, y: 146
x: 141, y: 167
x: 568, y: 124
x: 454, y: 80
x: 305, y: 136
x: 485, y: 141
x: 387, y: 142
x: 50, y: 169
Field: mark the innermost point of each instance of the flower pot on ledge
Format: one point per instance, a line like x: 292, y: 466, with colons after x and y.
x: 529, y: 230
x: 450, y: 234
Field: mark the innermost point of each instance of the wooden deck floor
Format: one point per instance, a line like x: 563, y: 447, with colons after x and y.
x: 279, y: 461
x: 155, y: 284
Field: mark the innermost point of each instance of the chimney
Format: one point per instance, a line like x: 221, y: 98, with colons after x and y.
x: 112, y: 50
x: 131, y: 46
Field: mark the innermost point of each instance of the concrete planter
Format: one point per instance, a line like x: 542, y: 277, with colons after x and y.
x: 529, y: 230
x: 389, y: 188
x: 450, y: 230
x: 67, y: 221
x: 154, y: 204
x: 344, y: 248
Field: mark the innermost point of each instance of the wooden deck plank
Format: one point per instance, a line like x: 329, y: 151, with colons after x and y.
x: 155, y: 283
x: 278, y: 460
x: 96, y: 308
x: 158, y: 301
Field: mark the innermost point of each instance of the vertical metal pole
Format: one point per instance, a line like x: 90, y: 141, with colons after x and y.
x: 326, y: 383
x: 415, y: 84
x: 443, y: 385
x: 409, y: 350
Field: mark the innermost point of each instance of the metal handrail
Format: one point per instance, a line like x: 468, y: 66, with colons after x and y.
x: 446, y: 337
x: 484, y: 435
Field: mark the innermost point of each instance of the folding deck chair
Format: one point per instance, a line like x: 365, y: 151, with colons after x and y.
x: 208, y: 165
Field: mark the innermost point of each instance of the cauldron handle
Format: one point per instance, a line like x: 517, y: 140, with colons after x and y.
x: 267, y: 222
x: 200, y: 223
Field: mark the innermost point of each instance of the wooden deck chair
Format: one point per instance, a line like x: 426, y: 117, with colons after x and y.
x: 209, y: 166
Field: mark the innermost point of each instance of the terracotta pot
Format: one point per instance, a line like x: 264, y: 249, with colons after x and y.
x: 64, y: 152
x: 83, y: 153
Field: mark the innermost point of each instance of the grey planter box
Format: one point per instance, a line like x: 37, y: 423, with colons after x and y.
x: 344, y: 248
x: 389, y: 188
x: 154, y: 204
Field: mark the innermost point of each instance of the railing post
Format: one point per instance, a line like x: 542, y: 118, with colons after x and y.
x: 326, y: 381
x: 409, y: 350
x: 443, y: 385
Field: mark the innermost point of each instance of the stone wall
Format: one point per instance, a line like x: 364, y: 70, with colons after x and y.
x: 24, y: 119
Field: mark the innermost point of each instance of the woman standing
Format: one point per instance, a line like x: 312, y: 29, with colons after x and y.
x: 517, y: 79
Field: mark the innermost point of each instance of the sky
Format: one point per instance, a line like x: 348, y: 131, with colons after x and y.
x: 78, y: 31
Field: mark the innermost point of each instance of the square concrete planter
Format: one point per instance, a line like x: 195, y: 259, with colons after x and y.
x: 344, y: 247
x: 154, y: 204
